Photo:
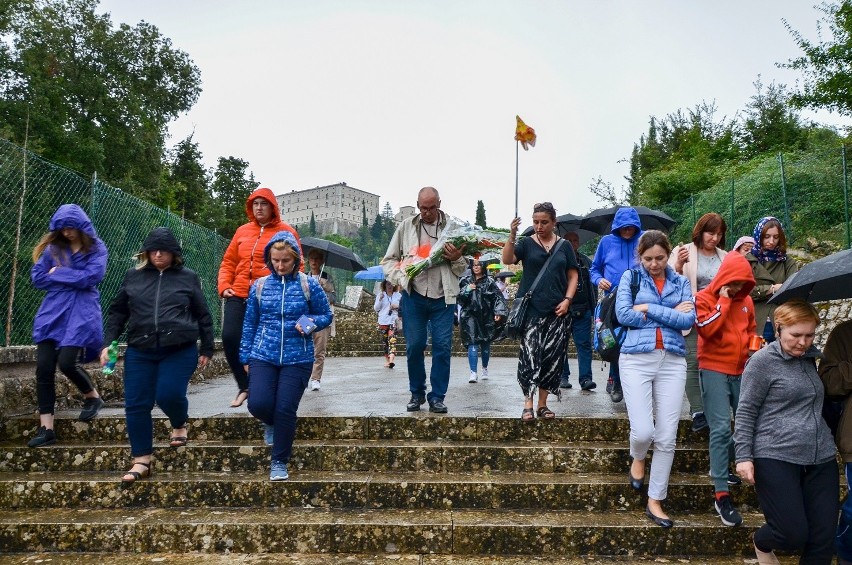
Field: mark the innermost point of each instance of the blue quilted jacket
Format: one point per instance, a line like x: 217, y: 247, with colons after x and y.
x: 642, y: 335
x: 269, y: 328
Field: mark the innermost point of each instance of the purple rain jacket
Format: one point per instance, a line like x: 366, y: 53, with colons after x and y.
x: 70, y: 313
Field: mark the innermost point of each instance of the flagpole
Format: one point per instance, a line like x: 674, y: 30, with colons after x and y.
x: 517, y: 143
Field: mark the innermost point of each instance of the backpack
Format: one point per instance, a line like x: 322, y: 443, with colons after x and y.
x: 306, y: 289
x: 609, y: 334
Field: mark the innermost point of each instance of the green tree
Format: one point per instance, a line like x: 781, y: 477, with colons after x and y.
x: 480, y: 215
x: 826, y: 65
x: 231, y: 187
x: 377, y: 230
x: 771, y: 123
x: 96, y: 99
x: 187, y: 173
x: 312, y: 227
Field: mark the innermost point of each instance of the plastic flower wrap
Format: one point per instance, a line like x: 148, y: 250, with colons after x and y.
x: 460, y: 233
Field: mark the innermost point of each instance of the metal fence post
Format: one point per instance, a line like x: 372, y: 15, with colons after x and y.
x: 789, y: 227
x: 846, y: 196
x: 692, y: 203
x: 733, y: 215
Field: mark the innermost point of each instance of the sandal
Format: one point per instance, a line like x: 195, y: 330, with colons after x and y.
x: 241, y: 397
x: 546, y: 413
x: 527, y: 415
x: 136, y: 474
x: 178, y: 441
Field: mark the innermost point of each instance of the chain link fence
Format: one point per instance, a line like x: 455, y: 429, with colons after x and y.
x: 31, y: 189
x: 808, y: 192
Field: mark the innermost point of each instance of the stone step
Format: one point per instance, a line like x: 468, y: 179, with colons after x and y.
x: 413, y: 426
x: 590, y: 492
x: 318, y: 531
x: 351, y: 455
x: 195, y: 558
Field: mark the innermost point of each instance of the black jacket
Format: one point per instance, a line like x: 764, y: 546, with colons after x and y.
x: 161, y: 310
x: 587, y: 293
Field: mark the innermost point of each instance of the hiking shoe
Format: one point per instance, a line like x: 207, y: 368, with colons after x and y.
x: 43, y: 437
x: 415, y: 403
x: 485, y: 372
x: 734, y: 480
x: 473, y: 378
x: 617, y: 395
x: 729, y: 515
x: 268, y: 434
x: 91, y: 407
x: 609, y: 386
x: 564, y: 383
x: 588, y: 385
x: 699, y: 422
x: 438, y: 407
x: 278, y: 472
x: 315, y: 384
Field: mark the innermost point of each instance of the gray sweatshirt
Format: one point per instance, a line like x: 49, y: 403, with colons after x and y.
x: 779, y: 415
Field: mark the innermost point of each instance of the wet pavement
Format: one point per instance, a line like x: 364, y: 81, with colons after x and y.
x: 359, y: 386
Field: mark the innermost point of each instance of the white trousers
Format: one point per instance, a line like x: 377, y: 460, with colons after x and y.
x: 653, y: 385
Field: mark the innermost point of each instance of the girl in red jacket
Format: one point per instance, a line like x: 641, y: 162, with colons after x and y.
x: 725, y: 320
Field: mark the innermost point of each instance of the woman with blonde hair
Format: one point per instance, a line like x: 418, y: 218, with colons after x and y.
x: 784, y: 446
x: 68, y: 263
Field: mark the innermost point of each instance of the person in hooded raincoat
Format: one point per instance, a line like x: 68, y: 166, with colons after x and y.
x: 243, y: 264
x: 278, y: 352
x: 725, y: 322
x: 481, y: 306
x: 161, y: 304
x: 616, y: 253
x: 68, y: 263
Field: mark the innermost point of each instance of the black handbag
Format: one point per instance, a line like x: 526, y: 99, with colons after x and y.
x: 517, y: 316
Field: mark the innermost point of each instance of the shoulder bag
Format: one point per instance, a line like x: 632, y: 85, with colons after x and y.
x: 517, y: 316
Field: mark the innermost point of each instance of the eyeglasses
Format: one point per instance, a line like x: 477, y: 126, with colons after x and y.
x: 542, y: 206
x: 427, y: 208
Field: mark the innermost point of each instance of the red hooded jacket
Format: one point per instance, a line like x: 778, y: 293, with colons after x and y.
x: 243, y: 261
x: 725, y: 324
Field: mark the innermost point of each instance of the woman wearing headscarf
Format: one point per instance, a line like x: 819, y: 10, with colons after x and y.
x: 481, y: 306
x: 161, y: 305
x: 744, y: 245
x: 771, y: 267
x: 243, y: 264
x: 68, y: 263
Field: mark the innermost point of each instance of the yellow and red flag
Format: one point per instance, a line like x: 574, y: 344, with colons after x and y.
x: 525, y: 134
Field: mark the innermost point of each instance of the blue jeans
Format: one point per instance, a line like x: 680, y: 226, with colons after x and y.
x: 472, y: 351
x: 720, y: 395
x: 274, y: 396
x: 161, y: 376
x: 420, y: 311
x: 581, y: 331
x: 844, y: 529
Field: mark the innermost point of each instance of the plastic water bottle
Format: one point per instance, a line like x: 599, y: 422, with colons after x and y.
x: 112, y: 358
x: 604, y: 335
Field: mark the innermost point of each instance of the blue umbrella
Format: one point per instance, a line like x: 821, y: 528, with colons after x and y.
x: 374, y: 273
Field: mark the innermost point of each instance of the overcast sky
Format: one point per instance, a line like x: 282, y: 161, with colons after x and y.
x: 389, y: 95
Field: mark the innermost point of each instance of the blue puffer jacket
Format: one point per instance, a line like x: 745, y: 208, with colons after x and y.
x: 642, y: 336
x: 615, y: 254
x: 269, y: 328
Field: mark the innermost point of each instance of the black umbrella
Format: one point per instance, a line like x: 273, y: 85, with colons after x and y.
x: 336, y: 255
x: 504, y: 274
x: 600, y: 221
x: 829, y: 278
x: 567, y: 223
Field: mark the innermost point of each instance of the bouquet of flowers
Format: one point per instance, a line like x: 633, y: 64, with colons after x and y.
x: 471, y: 239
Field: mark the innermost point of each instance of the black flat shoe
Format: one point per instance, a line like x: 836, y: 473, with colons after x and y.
x: 661, y: 522
x: 636, y: 484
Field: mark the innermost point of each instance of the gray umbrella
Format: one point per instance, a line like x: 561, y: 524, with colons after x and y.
x: 567, y: 223
x: 829, y: 278
x: 336, y: 255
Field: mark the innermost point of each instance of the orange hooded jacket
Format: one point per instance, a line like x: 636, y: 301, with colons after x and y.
x: 243, y: 261
x: 725, y: 324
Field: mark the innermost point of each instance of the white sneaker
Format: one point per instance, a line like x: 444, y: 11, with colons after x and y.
x: 473, y: 378
x: 315, y: 384
x: 485, y: 372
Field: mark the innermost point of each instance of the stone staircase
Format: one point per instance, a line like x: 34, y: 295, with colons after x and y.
x: 418, y: 488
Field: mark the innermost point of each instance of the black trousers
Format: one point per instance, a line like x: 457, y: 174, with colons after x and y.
x: 232, y: 333
x: 48, y: 356
x: 800, y: 504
